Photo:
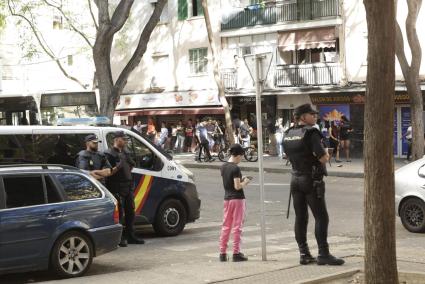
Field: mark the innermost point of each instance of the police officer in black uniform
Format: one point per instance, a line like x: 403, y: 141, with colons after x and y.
x: 302, y: 144
x: 120, y: 183
x: 92, y: 160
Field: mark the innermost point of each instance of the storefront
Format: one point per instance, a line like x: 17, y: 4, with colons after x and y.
x: 169, y: 107
x: 286, y: 103
x: 332, y: 106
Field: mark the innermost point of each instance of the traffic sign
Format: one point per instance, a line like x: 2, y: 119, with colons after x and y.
x: 265, y: 63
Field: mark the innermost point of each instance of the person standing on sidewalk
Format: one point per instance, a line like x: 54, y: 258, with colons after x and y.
x: 308, y: 158
x: 180, y: 137
x: 120, y: 184
x: 408, y: 136
x: 234, y: 204
x: 188, y: 133
x: 204, y: 142
x: 344, y: 136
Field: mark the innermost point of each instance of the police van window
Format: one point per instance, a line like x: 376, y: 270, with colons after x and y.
x: 77, y: 187
x: 16, y: 149
x: 58, y: 148
x: 52, y: 193
x: 141, y: 154
x: 23, y: 191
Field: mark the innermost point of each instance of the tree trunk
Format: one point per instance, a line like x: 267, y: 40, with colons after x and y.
x: 416, y: 110
x: 220, y: 85
x: 379, y: 217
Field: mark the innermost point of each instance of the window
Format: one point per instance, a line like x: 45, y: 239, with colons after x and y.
x: 57, y: 22
x: 77, y: 187
x: 16, y: 149
x: 52, y: 193
x: 161, y: 71
x: 198, y: 60
x: 197, y: 9
x: 23, y: 191
x: 58, y: 148
x: 140, y: 153
x: 182, y: 10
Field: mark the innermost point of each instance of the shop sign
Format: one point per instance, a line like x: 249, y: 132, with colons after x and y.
x: 169, y: 99
x: 352, y: 98
x: 247, y: 100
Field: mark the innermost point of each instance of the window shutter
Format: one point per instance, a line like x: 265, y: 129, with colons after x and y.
x: 182, y: 10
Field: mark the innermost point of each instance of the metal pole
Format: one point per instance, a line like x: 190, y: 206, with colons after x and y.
x: 258, y: 91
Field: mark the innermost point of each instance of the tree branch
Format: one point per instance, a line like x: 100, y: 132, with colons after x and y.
x: 59, y: 8
x: 43, y: 44
x: 412, y: 36
x: 121, y: 14
x: 92, y: 15
x: 399, y: 51
x: 141, y: 47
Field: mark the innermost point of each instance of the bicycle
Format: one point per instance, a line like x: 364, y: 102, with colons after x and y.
x: 250, y: 154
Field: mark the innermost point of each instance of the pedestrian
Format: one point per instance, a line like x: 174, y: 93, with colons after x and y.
x: 173, y: 137
x: 245, y: 132
x: 139, y: 127
x: 151, y: 131
x: 120, y: 184
x: 180, y: 136
x: 189, y: 136
x: 204, y: 142
x: 92, y: 160
x: 344, y: 136
x: 234, y: 203
x: 333, y: 132
x: 408, y: 136
x: 279, y: 137
x: 210, y: 130
x: 163, y: 135
x: 308, y: 159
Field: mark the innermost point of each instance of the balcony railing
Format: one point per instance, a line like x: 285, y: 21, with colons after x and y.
x: 307, y: 75
x: 286, y: 11
x: 229, y: 77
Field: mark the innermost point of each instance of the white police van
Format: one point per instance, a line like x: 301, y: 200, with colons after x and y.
x: 164, y: 191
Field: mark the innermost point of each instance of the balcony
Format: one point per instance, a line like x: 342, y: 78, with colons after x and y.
x: 229, y: 77
x: 281, y: 12
x: 316, y: 74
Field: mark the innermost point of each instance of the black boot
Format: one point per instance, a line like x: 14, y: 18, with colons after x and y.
x: 305, y: 255
x: 133, y: 239
x: 239, y: 257
x: 123, y: 242
x: 223, y: 257
x: 326, y: 258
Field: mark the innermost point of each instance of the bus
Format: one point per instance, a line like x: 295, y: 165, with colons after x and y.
x: 46, y: 108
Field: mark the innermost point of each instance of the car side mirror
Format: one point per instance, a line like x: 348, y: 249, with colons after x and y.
x: 421, y: 171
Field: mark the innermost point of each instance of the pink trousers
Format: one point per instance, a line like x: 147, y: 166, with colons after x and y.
x: 234, y: 213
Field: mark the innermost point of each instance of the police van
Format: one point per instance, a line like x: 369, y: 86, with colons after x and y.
x: 164, y: 191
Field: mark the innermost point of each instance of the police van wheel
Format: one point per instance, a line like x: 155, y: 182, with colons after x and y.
x: 72, y: 255
x: 412, y: 214
x: 170, y: 219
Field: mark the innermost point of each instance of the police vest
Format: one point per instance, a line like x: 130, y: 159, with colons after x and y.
x: 298, y: 151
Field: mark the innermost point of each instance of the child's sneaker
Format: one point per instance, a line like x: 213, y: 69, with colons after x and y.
x: 239, y: 257
x: 223, y: 257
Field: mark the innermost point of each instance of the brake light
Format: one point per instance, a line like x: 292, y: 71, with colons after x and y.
x: 116, y: 215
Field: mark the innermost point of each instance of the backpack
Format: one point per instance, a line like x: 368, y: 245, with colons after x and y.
x: 243, y: 131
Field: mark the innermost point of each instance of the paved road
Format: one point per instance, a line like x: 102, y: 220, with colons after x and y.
x: 197, y: 246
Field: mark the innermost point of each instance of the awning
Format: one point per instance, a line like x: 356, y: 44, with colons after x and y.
x: 307, y: 39
x: 171, y: 111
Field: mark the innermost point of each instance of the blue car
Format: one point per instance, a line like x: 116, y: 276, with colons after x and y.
x: 54, y: 217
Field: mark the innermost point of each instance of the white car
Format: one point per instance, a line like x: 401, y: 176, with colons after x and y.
x: 410, y: 195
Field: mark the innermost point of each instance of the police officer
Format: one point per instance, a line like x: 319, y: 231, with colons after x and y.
x: 92, y: 160
x: 120, y: 183
x: 302, y: 144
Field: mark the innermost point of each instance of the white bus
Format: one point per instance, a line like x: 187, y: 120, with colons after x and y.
x: 46, y: 108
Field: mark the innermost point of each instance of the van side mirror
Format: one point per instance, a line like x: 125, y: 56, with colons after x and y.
x: 421, y: 171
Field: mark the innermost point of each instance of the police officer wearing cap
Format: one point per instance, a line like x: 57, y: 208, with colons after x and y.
x: 120, y: 183
x: 92, y: 160
x: 303, y: 146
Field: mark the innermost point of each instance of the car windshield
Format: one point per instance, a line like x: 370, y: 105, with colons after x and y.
x: 167, y: 155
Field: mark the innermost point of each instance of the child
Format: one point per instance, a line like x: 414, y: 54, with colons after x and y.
x: 234, y: 203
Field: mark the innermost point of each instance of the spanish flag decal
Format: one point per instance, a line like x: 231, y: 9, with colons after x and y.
x: 142, y: 191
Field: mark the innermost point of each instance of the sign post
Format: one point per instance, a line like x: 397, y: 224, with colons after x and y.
x: 259, y: 65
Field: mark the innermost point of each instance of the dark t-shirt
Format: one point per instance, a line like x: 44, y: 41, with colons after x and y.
x: 230, y: 171
x: 316, y: 145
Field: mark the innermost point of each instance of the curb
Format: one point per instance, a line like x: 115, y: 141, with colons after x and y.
x: 270, y: 170
x: 330, y: 277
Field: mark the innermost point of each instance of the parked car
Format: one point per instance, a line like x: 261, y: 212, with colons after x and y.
x: 54, y: 217
x: 410, y: 195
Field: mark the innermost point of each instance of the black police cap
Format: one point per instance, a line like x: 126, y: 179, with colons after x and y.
x: 305, y: 108
x: 119, y: 134
x: 91, y: 138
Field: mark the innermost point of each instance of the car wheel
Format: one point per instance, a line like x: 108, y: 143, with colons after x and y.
x: 72, y: 255
x: 170, y: 218
x: 412, y: 214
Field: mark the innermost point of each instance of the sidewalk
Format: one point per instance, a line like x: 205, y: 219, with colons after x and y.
x: 353, y: 169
